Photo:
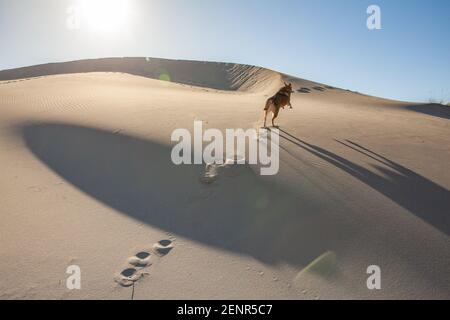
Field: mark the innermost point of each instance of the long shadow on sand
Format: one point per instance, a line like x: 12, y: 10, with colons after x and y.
x: 241, y: 212
x: 417, y: 194
x: 434, y: 109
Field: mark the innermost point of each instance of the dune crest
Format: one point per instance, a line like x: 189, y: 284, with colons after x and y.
x: 215, y: 75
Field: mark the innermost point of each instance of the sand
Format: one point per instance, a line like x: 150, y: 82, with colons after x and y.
x: 87, y: 180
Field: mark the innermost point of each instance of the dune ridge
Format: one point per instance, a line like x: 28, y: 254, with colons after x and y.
x: 215, y: 75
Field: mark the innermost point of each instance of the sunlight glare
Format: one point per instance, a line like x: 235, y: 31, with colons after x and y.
x: 105, y: 15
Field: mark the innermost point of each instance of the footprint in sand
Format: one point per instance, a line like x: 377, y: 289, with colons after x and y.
x: 212, y: 170
x: 163, y: 247
x: 128, y: 277
x: 140, y: 260
x: 211, y: 174
x: 138, y: 263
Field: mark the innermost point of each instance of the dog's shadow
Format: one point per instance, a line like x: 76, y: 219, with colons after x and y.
x: 241, y: 213
x: 417, y: 194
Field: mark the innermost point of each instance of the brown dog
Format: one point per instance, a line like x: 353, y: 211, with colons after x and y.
x: 281, y: 99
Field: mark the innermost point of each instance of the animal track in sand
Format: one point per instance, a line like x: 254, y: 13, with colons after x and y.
x: 163, y: 247
x: 35, y: 189
x: 212, y: 170
x: 211, y: 174
x: 138, y: 263
x: 128, y: 277
x: 304, y: 90
x: 141, y: 259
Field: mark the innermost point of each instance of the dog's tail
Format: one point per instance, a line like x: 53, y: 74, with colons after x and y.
x: 268, y: 103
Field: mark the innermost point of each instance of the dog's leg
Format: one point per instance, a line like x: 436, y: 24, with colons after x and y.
x: 275, y: 115
x: 266, y: 110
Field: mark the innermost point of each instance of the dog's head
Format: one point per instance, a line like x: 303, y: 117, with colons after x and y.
x: 288, y: 87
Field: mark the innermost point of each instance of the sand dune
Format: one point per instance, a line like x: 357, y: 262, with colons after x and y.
x: 223, y: 76
x: 87, y: 180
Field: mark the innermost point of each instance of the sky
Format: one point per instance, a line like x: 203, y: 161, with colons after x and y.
x: 327, y: 41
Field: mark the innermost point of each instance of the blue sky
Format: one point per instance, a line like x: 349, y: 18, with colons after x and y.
x: 321, y: 40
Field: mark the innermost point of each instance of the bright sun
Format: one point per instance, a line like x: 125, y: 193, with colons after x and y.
x: 105, y: 15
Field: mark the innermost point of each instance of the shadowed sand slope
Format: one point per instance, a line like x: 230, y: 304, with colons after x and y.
x: 137, y: 177
x: 433, y: 109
